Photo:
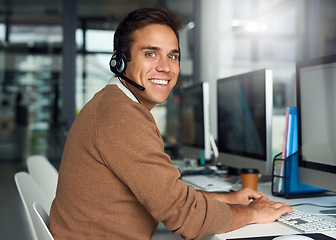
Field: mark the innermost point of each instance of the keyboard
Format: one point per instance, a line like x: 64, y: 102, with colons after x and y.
x: 210, y: 183
x: 305, y: 222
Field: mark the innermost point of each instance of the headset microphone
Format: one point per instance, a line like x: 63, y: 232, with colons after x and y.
x: 118, y: 67
x: 118, y: 74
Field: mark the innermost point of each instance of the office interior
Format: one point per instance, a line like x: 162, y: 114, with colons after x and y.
x: 54, y: 56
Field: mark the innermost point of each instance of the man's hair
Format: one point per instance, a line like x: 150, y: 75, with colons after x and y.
x: 124, y: 35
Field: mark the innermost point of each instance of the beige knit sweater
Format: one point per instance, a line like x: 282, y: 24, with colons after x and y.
x: 116, y: 182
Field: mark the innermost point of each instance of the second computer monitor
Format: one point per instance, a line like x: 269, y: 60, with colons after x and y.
x: 195, y: 123
x: 316, y: 105
x: 244, y: 109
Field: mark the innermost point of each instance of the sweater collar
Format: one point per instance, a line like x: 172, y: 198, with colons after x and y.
x: 122, y: 87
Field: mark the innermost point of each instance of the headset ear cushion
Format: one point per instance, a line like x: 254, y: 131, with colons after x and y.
x: 122, y: 65
x: 117, y: 64
x: 113, y: 62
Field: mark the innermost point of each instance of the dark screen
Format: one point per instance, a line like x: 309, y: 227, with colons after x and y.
x: 192, y: 116
x: 242, y: 115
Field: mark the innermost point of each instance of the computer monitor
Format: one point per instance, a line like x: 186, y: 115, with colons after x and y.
x: 316, y: 111
x: 244, y: 110
x: 195, y: 122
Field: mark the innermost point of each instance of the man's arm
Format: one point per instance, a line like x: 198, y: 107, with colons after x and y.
x: 243, y: 196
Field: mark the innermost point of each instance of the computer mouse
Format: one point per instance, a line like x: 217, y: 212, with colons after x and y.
x: 292, y: 237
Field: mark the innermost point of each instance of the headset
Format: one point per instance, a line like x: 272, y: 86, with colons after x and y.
x: 118, y: 66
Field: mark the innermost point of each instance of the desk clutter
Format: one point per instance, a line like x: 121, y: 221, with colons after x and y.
x: 213, y: 183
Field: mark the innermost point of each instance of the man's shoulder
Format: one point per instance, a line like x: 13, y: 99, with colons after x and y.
x: 111, y: 96
x: 111, y: 99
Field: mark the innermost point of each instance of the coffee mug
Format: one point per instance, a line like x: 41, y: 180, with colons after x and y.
x: 249, y: 178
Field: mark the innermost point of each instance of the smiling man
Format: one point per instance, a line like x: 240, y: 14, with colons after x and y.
x: 115, y: 180
x: 154, y: 63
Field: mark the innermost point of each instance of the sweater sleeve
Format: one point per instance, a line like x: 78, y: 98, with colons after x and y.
x: 132, y: 148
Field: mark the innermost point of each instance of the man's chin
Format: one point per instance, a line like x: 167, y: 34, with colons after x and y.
x: 162, y: 100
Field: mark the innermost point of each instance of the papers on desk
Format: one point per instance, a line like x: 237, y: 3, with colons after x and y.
x: 290, y: 141
x: 209, y: 183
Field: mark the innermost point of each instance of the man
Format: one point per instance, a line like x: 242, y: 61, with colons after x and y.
x: 115, y: 180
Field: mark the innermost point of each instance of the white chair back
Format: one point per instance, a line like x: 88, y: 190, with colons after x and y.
x: 31, y: 192
x: 43, y: 221
x: 45, y: 175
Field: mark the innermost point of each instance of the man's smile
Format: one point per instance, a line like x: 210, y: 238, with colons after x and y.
x: 159, y: 81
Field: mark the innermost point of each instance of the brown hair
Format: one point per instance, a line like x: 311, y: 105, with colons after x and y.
x: 123, y: 37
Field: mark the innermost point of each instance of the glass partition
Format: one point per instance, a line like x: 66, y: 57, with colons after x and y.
x: 30, y: 90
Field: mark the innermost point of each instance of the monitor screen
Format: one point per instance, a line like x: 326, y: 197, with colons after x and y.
x: 316, y: 106
x: 195, y: 123
x: 244, y: 110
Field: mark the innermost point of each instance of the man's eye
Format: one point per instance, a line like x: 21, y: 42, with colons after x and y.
x: 172, y: 57
x: 150, y: 54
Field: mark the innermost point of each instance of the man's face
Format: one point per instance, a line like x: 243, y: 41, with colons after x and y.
x: 154, y: 63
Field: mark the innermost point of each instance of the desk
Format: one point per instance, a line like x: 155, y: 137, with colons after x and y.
x: 277, y: 228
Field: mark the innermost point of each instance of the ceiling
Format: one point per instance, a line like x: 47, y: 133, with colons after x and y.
x: 112, y: 11
x: 50, y: 11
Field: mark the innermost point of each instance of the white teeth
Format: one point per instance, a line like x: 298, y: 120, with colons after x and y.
x: 160, y: 82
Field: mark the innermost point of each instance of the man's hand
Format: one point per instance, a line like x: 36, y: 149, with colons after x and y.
x: 268, y: 211
x: 249, y: 206
x: 260, y: 210
x: 243, y: 196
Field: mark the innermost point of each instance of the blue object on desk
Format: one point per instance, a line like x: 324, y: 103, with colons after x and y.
x: 293, y: 186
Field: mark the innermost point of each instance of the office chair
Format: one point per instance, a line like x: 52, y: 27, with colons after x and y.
x: 43, y: 221
x: 31, y: 192
x: 45, y: 175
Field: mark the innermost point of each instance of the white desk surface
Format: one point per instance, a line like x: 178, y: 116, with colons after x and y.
x: 277, y: 228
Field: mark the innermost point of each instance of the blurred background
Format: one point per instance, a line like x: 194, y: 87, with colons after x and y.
x: 54, y: 56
